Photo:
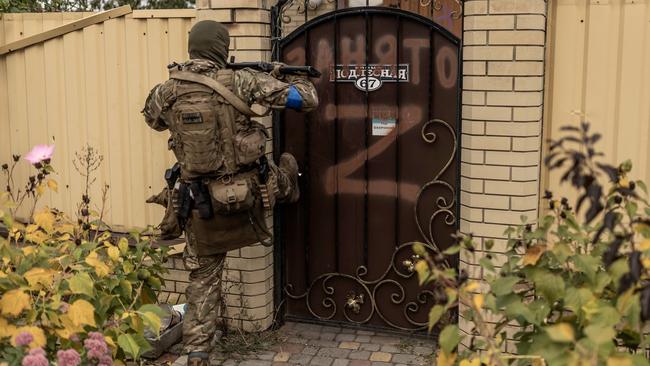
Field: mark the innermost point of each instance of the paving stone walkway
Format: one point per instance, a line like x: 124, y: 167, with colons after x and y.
x: 308, y: 344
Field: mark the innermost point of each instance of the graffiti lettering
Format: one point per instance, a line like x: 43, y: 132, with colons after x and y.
x: 446, y: 67
x: 416, y: 45
x: 385, y: 49
x: 353, y: 51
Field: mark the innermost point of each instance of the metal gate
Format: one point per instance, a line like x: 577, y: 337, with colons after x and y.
x: 379, y: 164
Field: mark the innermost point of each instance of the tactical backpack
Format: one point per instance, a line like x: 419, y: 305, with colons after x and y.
x: 211, y: 132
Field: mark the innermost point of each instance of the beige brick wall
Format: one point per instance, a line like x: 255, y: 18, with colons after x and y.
x: 503, y: 82
x: 248, y: 276
x: 294, y: 14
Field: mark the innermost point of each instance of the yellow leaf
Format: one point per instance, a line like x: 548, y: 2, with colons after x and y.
x: 69, y: 328
x: 3, y: 274
x: 101, y: 268
x: 53, y: 185
x: 6, y: 329
x: 619, y: 361
x: 538, y: 362
x: 422, y: 268
x: 624, y: 182
x: 645, y: 262
x: 65, y: 229
x: 104, y: 236
x: 13, y: 302
x: 40, y: 189
x: 561, y: 332
x: 64, y: 237
x: 109, y: 341
x: 81, y: 312
x: 644, y: 245
x: 472, y: 286
x: 113, y: 253
x: 123, y: 244
x: 38, y: 336
x: 29, y: 250
x: 37, y: 237
x: 38, y: 275
x: 533, y: 254
x: 444, y: 359
x: 473, y: 362
x: 31, y: 228
x: 478, y: 301
x: 45, y: 219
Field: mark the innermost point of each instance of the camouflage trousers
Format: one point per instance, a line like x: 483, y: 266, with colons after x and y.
x: 203, y: 298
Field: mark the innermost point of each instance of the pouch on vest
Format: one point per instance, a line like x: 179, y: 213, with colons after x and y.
x: 250, y: 145
x: 233, y: 197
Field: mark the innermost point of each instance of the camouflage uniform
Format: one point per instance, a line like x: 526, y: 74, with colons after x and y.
x: 206, y: 262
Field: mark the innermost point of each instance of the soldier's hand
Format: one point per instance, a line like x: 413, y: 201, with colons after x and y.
x: 276, y: 70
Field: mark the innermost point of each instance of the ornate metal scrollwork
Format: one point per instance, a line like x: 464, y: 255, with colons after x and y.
x: 361, y: 306
x: 437, y: 6
x: 303, y: 6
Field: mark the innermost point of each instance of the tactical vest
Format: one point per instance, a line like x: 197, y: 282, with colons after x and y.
x: 209, y: 137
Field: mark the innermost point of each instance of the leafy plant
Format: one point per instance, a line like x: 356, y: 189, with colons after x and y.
x: 573, y: 289
x: 71, y: 292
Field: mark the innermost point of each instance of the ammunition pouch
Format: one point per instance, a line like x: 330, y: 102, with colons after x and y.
x: 250, y: 145
x: 232, y: 197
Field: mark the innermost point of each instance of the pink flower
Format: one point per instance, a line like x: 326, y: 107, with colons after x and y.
x: 69, y: 357
x: 96, y: 346
x: 105, y: 360
x: 40, y: 153
x: 24, y: 339
x: 35, y: 357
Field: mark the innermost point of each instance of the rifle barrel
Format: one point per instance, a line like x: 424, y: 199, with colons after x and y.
x: 286, y: 69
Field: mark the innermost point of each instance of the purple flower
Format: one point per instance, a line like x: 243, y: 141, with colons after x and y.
x: 96, y: 336
x: 40, y: 153
x: 105, y: 360
x: 96, y: 346
x: 69, y: 357
x: 24, y: 339
x: 35, y: 357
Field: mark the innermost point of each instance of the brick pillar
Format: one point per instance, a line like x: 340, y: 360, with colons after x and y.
x: 248, y: 278
x: 503, y: 89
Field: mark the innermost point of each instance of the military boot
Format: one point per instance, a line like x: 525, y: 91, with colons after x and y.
x: 198, y: 359
x: 288, y: 179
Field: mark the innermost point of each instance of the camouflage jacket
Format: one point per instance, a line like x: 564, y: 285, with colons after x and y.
x: 250, y: 85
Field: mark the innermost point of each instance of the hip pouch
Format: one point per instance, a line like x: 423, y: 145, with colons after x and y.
x: 232, y: 197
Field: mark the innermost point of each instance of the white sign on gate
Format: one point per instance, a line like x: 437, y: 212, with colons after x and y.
x: 369, y: 77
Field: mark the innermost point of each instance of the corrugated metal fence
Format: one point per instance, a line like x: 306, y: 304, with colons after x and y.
x: 600, y: 66
x: 88, y: 87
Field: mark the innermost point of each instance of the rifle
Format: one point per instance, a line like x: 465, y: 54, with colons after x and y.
x: 268, y: 67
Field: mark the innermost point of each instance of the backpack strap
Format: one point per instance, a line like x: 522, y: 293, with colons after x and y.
x: 222, y: 90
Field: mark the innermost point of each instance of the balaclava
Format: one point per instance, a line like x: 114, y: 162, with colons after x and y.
x: 209, y: 40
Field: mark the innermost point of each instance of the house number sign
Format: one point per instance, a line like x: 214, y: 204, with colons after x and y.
x: 369, y: 77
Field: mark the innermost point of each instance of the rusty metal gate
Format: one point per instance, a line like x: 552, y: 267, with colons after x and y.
x: 379, y: 164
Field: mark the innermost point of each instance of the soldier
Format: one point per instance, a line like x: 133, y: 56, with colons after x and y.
x: 225, y: 181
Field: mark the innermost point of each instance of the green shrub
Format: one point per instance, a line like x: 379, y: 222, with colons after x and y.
x: 69, y: 289
x: 576, y: 287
